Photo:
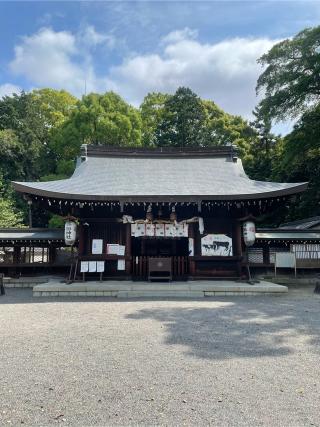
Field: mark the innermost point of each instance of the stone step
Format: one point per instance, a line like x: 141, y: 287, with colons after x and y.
x: 127, y: 289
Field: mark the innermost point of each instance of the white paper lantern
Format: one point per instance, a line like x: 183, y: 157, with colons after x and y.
x: 249, y: 233
x: 70, y: 233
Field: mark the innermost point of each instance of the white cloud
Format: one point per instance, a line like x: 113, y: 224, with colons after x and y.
x: 225, y: 72
x: 47, y: 58
x: 58, y: 59
x: 8, y: 89
x: 178, y: 35
x: 91, y: 38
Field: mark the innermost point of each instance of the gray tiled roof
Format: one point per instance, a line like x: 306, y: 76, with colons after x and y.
x: 125, y: 176
x: 31, y: 234
x: 290, y: 235
x: 303, y: 224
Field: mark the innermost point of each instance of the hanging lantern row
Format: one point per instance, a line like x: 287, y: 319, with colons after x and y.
x: 32, y: 241
x: 114, y: 203
x: 240, y: 204
x: 212, y: 204
x: 303, y: 242
x: 80, y: 204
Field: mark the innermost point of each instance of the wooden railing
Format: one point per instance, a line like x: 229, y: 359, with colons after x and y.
x: 180, y: 267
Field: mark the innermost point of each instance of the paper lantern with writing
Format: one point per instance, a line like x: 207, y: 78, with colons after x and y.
x: 249, y: 233
x: 70, y: 233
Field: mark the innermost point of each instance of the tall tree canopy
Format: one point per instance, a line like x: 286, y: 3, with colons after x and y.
x: 183, y: 121
x: 27, y: 123
x: 52, y: 106
x: 22, y: 137
x: 10, y: 215
x: 97, y: 119
x: 291, y: 82
x: 264, y: 148
x: 291, y: 89
x: 221, y: 128
x: 298, y: 160
x: 152, y: 112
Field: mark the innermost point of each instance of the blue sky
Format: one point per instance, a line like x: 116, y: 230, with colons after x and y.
x: 138, y: 47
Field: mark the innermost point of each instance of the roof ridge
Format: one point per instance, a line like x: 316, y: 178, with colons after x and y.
x: 88, y: 150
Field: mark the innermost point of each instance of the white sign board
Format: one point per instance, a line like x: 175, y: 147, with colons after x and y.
x: 285, y: 260
x: 112, y: 249
x: 216, y: 245
x: 121, y: 264
x: 100, y: 266
x: 92, y: 266
x: 97, y: 246
x: 121, y: 250
x: 84, y: 267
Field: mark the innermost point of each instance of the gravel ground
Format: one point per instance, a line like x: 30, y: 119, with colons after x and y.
x: 221, y: 361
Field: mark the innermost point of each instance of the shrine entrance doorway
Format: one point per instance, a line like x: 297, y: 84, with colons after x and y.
x: 144, y: 249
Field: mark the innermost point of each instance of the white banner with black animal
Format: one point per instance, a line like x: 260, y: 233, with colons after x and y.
x: 216, y: 245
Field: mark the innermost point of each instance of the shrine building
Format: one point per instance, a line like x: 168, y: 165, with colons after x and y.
x: 162, y: 213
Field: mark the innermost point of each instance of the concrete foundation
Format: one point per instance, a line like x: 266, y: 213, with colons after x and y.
x: 128, y: 289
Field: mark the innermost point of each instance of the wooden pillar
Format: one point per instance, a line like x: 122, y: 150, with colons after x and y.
x: 237, y: 243
x: 143, y: 247
x: 16, y: 254
x: 192, y: 264
x: 266, y: 254
x: 197, y: 239
x: 237, y: 240
x: 128, y: 249
x: 16, y: 259
x: 81, y: 239
x: 52, y: 254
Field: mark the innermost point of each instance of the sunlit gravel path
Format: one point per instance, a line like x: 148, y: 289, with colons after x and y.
x: 226, y: 361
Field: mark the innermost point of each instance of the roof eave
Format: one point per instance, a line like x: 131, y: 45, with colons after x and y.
x: 26, y: 189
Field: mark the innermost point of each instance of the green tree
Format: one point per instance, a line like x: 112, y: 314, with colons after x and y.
x: 297, y: 160
x: 52, y: 106
x: 27, y: 122
x: 290, y: 82
x: 52, y: 109
x: 182, y: 123
x: 291, y: 87
x: 18, y: 116
x: 12, y: 159
x: 10, y: 216
x: 185, y: 120
x: 106, y: 119
x: 263, y: 148
x: 97, y: 119
x: 221, y: 128
x: 152, y: 112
